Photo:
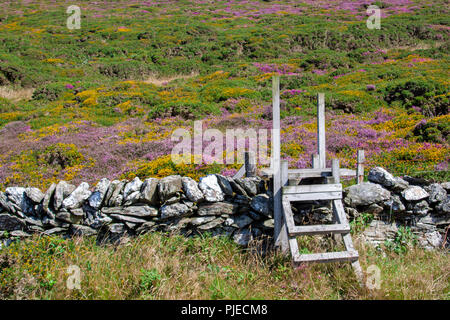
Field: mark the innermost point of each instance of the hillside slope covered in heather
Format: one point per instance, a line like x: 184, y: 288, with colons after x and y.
x: 103, y: 101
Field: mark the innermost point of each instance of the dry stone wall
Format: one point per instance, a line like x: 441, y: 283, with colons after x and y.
x: 240, y: 208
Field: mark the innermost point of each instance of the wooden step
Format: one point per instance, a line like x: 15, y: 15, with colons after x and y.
x: 339, y: 256
x: 310, y: 173
x: 313, y: 192
x: 319, y: 229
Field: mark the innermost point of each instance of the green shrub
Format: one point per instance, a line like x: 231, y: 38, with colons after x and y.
x: 418, y: 93
x: 437, y: 132
x: 403, y: 240
x: 49, y: 92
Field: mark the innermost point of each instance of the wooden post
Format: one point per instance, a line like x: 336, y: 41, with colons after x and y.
x: 360, y: 167
x: 283, y: 237
x: 321, y: 129
x: 250, y: 164
x: 276, y: 165
x: 315, y: 161
x: 336, y: 171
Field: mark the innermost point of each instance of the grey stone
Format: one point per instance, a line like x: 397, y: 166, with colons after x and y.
x: 131, y: 188
x: 430, y: 240
x: 237, y: 188
x: 132, y: 198
x: 145, y: 227
x: 414, y: 193
x: 81, y: 231
x: 421, y: 208
x: 210, y: 225
x: 381, y: 176
x: 33, y: 221
x: 254, y: 215
x: 56, y: 230
x: 97, y: 220
x: 374, y: 209
x: 262, y: 204
x: 400, y: 184
x: 242, y: 200
x: 395, y: 204
x: 34, y: 194
x: 437, y: 192
x: 269, y: 224
x: 202, y: 220
x: 5, y: 204
x: 175, y: 210
x: 98, y: 195
x: 77, y: 197
x: 114, y: 196
x: 20, y: 234
x: 18, y: 199
x: 173, y: 199
x: 416, y: 181
x: 69, y: 217
x: 169, y: 186
x: 365, y: 194
x: 243, y: 237
x: 379, y: 231
x: 129, y: 219
x: 211, y: 189
x: 240, y: 221
x: 322, y: 214
x: 224, y: 184
x: 63, y: 190
x: 149, y: 191
x: 48, y: 222
x: 191, y: 190
x: 48, y: 198
x: 16, y: 195
x: 11, y: 223
x: 249, y: 185
x: 136, y: 211
x: 434, y: 220
x: 112, y: 233
x: 216, y: 209
x: 444, y: 206
x: 446, y: 186
x: 35, y: 229
x: 352, y: 212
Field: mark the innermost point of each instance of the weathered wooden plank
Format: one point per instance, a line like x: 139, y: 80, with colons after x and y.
x: 289, y: 218
x: 240, y: 173
x: 360, y: 167
x: 327, y: 257
x: 339, y: 211
x: 250, y: 164
x: 319, y: 229
x: 313, y: 196
x: 335, y: 172
x: 310, y: 173
x: 276, y: 165
x: 284, y: 241
x: 312, y: 188
x: 321, y: 129
x: 315, y: 161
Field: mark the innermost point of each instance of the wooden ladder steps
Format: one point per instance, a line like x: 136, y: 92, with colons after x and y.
x: 319, y: 229
x: 339, y: 256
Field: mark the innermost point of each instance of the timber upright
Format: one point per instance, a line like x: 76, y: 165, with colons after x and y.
x: 287, y: 189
